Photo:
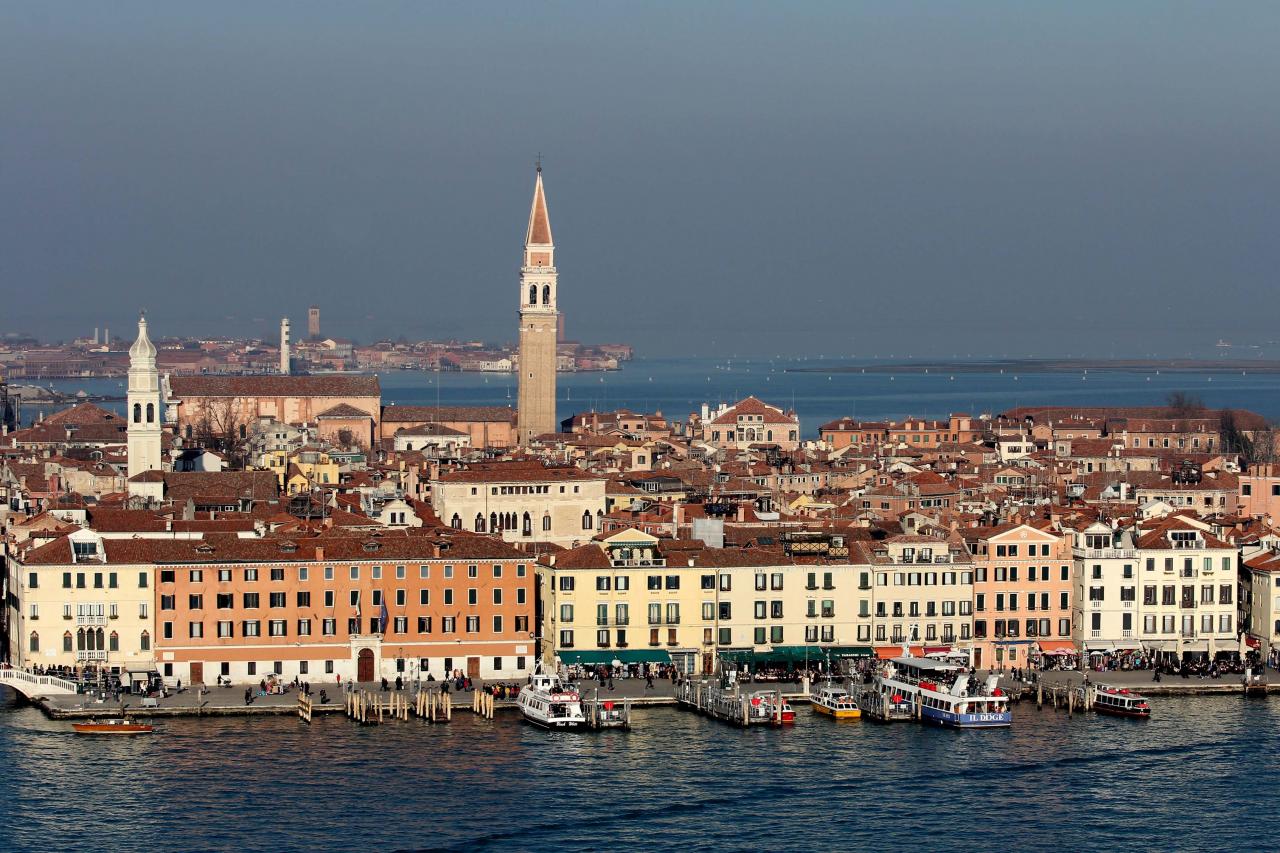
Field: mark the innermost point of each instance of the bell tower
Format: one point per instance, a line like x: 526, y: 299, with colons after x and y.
x: 538, y: 321
x: 145, y: 410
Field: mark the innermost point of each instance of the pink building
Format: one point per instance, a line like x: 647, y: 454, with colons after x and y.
x: 1021, y: 594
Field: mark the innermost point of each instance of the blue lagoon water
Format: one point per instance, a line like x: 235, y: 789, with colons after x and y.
x: 678, y: 386
x: 1201, y: 775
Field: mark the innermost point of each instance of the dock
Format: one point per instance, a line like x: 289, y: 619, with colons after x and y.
x: 730, y: 704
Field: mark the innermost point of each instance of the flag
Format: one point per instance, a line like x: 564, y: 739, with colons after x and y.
x: 382, y: 618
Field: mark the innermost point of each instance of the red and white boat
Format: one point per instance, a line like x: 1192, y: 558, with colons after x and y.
x: 1120, y: 702
x: 112, y: 726
x: 764, y: 704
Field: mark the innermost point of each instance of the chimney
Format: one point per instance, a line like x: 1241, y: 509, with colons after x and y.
x: 319, y: 553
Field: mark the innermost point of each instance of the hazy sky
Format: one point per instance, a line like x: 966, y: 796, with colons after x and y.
x: 787, y: 178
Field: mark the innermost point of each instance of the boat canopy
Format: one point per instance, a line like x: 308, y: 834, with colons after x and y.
x: 606, y: 657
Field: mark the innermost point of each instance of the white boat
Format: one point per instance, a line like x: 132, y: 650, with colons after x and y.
x: 941, y: 693
x: 551, y: 703
x: 834, y: 702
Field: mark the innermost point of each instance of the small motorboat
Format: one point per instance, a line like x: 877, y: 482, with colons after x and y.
x: 835, y: 702
x: 772, y: 707
x: 112, y: 726
x: 1121, y: 702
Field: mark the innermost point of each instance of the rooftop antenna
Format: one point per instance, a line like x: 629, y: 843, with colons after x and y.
x: 538, y: 162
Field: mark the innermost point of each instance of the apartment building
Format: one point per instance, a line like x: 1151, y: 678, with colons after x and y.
x: 634, y: 597
x: 1166, y: 586
x: 79, y: 601
x: 922, y: 594
x: 1022, y: 582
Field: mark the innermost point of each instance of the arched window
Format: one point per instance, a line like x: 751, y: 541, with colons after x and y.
x: 533, y: 294
x: 66, y: 642
x: 479, y: 523
x: 587, y: 523
x: 114, y: 642
x: 770, y: 434
x: 546, y: 294
x: 493, y: 522
x: 188, y: 430
x: 34, y: 645
x: 456, y: 522
x: 526, y: 528
x: 546, y: 522
x: 137, y: 413
x: 80, y: 640
x: 151, y: 413
x: 144, y: 642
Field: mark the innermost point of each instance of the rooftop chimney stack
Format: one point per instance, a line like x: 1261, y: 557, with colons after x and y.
x: 284, y: 346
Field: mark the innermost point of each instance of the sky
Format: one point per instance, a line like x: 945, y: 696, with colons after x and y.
x: 723, y: 178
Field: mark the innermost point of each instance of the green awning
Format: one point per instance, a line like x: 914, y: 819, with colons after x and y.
x: 851, y: 651
x: 606, y: 657
x: 795, y: 654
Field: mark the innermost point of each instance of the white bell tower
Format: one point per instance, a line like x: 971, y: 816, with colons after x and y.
x: 145, y: 409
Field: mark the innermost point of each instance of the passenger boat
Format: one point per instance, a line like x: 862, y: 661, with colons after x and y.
x: 766, y: 704
x: 112, y: 726
x: 941, y: 694
x: 834, y: 702
x: 1120, y: 702
x: 551, y: 703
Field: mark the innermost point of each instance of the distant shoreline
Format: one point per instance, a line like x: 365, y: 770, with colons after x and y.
x: 1047, y: 365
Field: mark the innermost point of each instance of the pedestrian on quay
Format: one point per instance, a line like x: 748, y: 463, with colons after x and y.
x: 648, y: 681
x: 248, y: 696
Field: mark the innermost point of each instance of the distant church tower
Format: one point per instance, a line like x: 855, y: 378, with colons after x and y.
x: 538, y: 321
x: 284, y: 346
x: 145, y: 409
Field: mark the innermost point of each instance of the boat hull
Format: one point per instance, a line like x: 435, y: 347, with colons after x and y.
x: 837, y: 713
x: 105, y: 729
x: 951, y: 720
x: 1121, y: 712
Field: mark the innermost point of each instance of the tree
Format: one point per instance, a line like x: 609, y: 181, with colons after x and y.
x: 1184, y: 405
x: 219, y: 426
x: 1254, y: 447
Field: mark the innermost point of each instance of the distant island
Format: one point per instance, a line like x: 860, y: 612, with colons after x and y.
x: 1051, y: 365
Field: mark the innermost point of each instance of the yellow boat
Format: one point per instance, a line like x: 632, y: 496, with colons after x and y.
x: 834, y: 702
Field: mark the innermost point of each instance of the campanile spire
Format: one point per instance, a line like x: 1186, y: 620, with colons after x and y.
x: 538, y: 320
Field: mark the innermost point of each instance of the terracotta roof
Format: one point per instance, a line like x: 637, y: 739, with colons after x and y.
x: 515, y: 472
x: 330, y: 385
x: 344, y: 410
x: 448, y: 414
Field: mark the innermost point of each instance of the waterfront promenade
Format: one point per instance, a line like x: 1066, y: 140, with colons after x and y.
x: 229, y: 701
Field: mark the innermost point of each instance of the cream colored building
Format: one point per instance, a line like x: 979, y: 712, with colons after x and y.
x: 521, y: 501
x: 635, y: 597
x: 923, y: 593
x: 72, y: 608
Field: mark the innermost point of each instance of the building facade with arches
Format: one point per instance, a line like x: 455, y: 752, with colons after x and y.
x: 523, y: 502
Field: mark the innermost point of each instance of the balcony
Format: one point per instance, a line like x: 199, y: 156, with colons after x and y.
x: 622, y: 564
x: 1106, y: 553
x: 97, y: 654
x: 91, y: 620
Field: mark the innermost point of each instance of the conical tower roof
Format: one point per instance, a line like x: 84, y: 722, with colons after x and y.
x: 539, y: 233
